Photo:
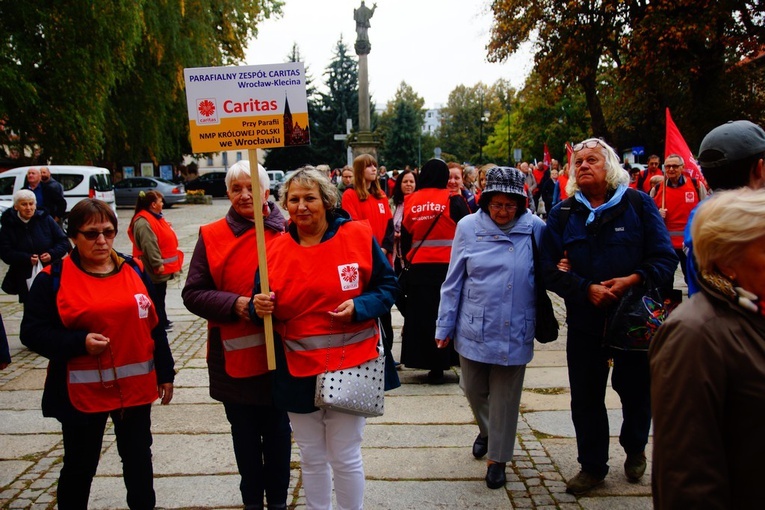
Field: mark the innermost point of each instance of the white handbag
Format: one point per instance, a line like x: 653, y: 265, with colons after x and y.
x: 358, y: 390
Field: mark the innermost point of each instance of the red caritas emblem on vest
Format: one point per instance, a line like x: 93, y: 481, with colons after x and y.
x: 349, y: 276
x: 144, y: 303
x: 690, y: 197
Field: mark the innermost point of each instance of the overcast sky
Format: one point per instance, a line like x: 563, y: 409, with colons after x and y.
x: 433, y: 45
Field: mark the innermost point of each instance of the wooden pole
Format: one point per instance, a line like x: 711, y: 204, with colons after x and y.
x: 260, y: 236
x: 663, y: 195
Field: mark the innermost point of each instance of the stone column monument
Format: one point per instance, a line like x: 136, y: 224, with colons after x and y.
x: 365, y: 142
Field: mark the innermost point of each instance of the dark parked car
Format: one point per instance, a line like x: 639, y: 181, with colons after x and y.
x: 214, y: 183
x: 126, y: 191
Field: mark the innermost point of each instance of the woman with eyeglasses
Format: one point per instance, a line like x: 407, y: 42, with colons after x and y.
x: 611, y: 238
x: 156, y: 245
x: 488, y: 308
x: 92, y: 316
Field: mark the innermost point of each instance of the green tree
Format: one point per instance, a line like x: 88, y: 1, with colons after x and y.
x: 290, y: 158
x: 401, y: 128
x: 339, y: 103
x: 632, y: 58
x: 148, y: 108
x: 58, y: 64
x: 86, y: 82
x: 469, y: 117
x: 544, y: 112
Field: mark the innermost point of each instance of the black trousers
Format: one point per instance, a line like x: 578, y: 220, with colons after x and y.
x: 82, y: 451
x: 588, y: 369
x: 160, y: 291
x: 262, y: 446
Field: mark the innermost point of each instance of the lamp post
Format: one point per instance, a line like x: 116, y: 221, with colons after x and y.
x: 484, y: 118
x: 509, y: 161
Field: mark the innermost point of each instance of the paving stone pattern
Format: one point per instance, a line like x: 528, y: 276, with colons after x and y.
x: 418, y: 455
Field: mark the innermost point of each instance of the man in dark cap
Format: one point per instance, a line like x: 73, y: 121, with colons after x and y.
x: 731, y: 156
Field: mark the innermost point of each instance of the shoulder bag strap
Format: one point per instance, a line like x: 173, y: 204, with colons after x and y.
x: 407, y: 262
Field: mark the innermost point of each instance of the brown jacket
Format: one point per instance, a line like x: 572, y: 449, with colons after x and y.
x: 708, y: 399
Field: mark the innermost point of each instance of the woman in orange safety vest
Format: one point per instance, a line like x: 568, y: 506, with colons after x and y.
x: 92, y: 316
x: 218, y: 288
x: 156, y: 245
x: 329, y: 281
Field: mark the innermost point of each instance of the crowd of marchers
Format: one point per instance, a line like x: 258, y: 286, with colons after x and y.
x: 464, y: 253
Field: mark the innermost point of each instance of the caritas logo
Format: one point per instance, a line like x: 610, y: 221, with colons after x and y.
x: 349, y: 276
x: 144, y: 303
x: 207, y: 111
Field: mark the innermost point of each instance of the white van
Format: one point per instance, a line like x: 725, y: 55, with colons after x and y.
x: 78, y: 182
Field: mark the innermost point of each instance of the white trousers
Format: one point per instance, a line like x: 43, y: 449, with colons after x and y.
x: 330, y: 440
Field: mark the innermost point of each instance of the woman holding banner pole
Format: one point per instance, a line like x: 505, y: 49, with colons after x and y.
x: 218, y: 289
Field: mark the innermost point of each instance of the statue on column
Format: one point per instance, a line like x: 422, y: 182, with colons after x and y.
x: 362, y: 15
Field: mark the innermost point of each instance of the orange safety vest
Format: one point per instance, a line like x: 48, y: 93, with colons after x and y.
x: 172, y: 257
x: 119, y: 308
x: 310, y: 281
x: 679, y: 203
x: 376, y: 211
x: 233, y: 262
x: 646, y: 175
x: 420, y: 210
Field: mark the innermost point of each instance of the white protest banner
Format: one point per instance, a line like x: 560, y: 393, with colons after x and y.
x: 247, y: 107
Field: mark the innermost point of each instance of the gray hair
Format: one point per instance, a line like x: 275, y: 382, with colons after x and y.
x: 678, y: 156
x: 615, y: 173
x: 24, y: 194
x: 242, y: 169
x: 307, y: 176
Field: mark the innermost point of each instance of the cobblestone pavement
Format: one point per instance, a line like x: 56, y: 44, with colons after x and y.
x: 418, y: 455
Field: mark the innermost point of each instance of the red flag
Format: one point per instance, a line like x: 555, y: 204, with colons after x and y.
x: 675, y: 144
x: 546, y: 159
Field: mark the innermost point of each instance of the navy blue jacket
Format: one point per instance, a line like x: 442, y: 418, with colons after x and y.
x: 617, y: 243
x: 295, y: 394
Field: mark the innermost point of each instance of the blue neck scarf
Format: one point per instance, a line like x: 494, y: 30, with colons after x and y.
x: 618, y: 194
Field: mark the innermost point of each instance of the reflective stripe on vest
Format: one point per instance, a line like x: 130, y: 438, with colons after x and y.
x: 244, y: 342
x: 677, y: 233
x: 436, y: 242
x: 108, y: 374
x: 313, y: 343
x: 169, y: 259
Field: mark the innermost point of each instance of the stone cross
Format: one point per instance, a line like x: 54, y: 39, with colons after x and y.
x: 344, y: 137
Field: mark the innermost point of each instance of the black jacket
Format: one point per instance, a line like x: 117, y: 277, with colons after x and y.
x: 20, y: 240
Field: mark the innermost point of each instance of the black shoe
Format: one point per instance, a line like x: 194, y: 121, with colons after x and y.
x: 634, y: 466
x: 168, y: 325
x: 480, y: 446
x: 495, y: 475
x: 436, y: 377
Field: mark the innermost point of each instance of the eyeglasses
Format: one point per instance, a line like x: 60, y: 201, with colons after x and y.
x: 501, y: 207
x: 589, y: 144
x: 672, y: 166
x: 92, y: 235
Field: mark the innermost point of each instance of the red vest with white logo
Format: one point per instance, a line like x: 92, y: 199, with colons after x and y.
x: 679, y: 203
x: 119, y: 308
x: 233, y: 262
x: 420, y: 210
x: 172, y: 257
x: 310, y: 281
x: 376, y: 211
